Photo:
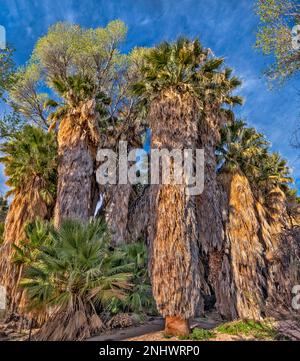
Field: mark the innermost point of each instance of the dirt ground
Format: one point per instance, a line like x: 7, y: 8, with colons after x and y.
x: 152, y: 330
x: 159, y: 336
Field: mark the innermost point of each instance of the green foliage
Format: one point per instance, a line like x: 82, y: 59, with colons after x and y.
x: 185, y: 66
x: 24, y: 95
x: 75, y: 89
x: 78, y: 64
x: 76, y: 263
x: 199, y: 334
x: 239, y: 146
x: 274, y: 36
x: 139, y: 299
x: 75, y: 266
x: 3, y: 208
x: 69, y: 50
x: 11, y: 124
x: 30, y: 156
x: 274, y: 171
x: 37, y: 236
x: 6, y: 69
x: 243, y: 149
x: 259, y: 330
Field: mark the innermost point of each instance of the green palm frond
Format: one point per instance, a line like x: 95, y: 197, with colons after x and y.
x: 50, y: 103
x: 75, y: 261
x: 243, y: 148
x: 30, y: 155
x: 185, y: 66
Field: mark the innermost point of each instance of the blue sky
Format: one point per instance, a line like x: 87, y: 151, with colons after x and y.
x: 227, y: 27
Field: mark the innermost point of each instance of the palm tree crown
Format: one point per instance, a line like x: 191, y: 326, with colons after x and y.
x: 243, y: 149
x: 29, y: 157
x: 185, y: 66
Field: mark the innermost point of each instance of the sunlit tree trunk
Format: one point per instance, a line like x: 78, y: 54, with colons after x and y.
x: 242, y: 284
x: 78, y: 137
x: 26, y: 206
x: 174, y: 263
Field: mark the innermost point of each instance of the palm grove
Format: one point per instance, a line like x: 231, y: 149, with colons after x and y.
x: 234, y: 247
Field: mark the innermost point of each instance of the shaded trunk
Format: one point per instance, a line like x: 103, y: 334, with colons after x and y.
x: 208, y: 204
x: 116, y: 212
x: 139, y: 216
x: 174, y: 262
x: 209, y: 213
x: 26, y: 206
x: 117, y: 198
x: 78, y: 138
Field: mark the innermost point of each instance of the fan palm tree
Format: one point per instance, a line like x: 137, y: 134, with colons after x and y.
x: 238, y: 154
x: 29, y: 160
x: 252, y: 179
x: 180, y: 84
x: 73, y: 278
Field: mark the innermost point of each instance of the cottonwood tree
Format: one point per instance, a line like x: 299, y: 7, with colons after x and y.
x: 81, y: 68
x: 275, y: 37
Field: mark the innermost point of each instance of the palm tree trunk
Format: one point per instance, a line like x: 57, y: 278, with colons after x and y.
x: 209, y: 210
x: 78, y: 138
x: 25, y: 207
x: 116, y: 212
x: 242, y: 287
x: 139, y: 216
x: 209, y: 213
x: 174, y: 263
x: 282, y: 252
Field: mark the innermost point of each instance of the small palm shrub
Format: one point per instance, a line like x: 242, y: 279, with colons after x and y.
x: 73, y: 278
x: 37, y: 236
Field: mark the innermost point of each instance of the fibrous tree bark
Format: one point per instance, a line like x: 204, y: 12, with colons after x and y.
x: 27, y: 205
x: 116, y: 211
x: 78, y: 138
x: 175, y: 262
x: 139, y: 215
x: 260, y: 257
x: 243, y: 260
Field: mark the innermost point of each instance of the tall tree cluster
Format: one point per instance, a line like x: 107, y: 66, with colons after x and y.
x: 79, y: 93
